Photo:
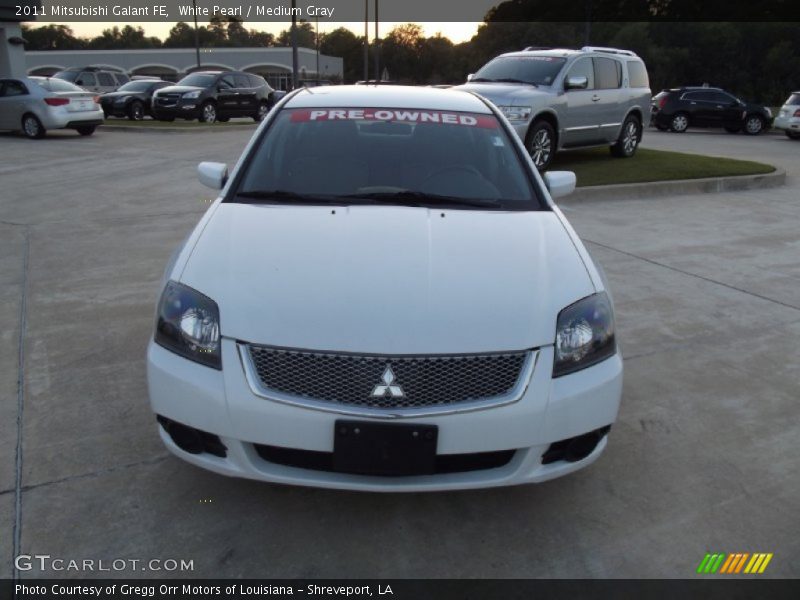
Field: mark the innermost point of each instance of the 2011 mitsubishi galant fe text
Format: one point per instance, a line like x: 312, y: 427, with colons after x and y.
x: 385, y: 297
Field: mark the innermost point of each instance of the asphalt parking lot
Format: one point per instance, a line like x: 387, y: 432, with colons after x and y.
x: 702, y: 458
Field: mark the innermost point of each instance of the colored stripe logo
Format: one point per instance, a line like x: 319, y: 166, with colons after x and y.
x: 734, y: 564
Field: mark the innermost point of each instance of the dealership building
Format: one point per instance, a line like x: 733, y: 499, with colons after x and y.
x: 273, y: 64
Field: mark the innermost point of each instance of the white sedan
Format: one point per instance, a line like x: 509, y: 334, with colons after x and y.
x: 35, y: 104
x: 384, y: 297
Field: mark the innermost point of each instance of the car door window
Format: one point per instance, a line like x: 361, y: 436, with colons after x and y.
x: 700, y: 96
x: 583, y: 68
x: 14, y: 88
x: 242, y: 81
x: 121, y: 78
x: 608, y: 73
x: 86, y: 80
x: 227, y: 82
x: 106, y: 80
x: 724, y: 99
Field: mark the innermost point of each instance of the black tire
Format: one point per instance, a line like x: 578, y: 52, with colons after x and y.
x: 87, y: 130
x: 263, y: 109
x: 32, y: 127
x: 208, y: 112
x: 629, y: 137
x: 679, y: 122
x: 792, y: 135
x: 541, y: 144
x: 136, y: 111
x: 754, y: 124
x: 732, y: 129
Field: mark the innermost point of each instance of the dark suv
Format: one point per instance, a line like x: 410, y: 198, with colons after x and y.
x: 680, y: 108
x: 214, y: 96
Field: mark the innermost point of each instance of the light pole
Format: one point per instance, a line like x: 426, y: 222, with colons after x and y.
x: 294, y: 45
x: 377, y: 47
x: 196, y: 35
x: 366, y: 40
x: 317, y: 41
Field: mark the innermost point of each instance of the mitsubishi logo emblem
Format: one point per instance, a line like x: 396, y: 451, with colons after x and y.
x: 387, y: 388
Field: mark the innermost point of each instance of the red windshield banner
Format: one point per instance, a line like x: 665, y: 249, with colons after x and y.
x: 394, y: 115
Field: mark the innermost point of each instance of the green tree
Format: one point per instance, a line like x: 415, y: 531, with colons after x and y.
x: 51, y: 37
x: 306, y: 36
x: 344, y: 43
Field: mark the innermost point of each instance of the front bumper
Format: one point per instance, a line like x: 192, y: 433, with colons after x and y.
x: 787, y: 123
x: 222, y: 403
x: 182, y: 109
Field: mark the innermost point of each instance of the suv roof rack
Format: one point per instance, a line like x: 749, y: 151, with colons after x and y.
x: 609, y: 50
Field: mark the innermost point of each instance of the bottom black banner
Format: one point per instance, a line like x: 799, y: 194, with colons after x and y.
x: 402, y: 589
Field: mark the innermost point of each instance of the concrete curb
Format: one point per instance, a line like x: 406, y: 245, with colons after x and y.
x: 135, y: 129
x: 681, y: 187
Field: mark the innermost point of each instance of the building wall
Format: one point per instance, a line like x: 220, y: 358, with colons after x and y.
x: 172, y: 63
x: 12, y: 56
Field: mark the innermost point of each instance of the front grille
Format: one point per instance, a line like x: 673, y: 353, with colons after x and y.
x: 388, y: 382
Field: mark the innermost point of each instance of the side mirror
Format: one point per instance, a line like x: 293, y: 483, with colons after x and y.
x: 560, y: 183
x: 470, y: 76
x: 576, y: 83
x: 213, y: 174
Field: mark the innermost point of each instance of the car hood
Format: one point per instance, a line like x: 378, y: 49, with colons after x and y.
x: 179, y: 88
x: 509, y: 94
x: 120, y: 94
x: 387, y: 280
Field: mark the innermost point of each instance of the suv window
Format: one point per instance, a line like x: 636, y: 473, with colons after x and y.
x: 86, y: 79
x: 608, y: 73
x: 722, y: 98
x: 227, y: 82
x: 699, y: 96
x: 637, y: 75
x: 122, y: 78
x: 14, y: 88
x: 106, y: 79
x: 202, y: 80
x: 539, y: 70
x: 242, y: 81
x: 583, y: 67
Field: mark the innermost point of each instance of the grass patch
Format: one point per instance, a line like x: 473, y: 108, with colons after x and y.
x: 178, y: 123
x: 597, y: 167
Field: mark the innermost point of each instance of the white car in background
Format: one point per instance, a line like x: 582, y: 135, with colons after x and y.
x: 384, y: 297
x: 35, y: 104
x: 788, y: 118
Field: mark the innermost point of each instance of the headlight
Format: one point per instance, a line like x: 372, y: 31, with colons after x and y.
x: 584, y: 335
x: 192, y: 95
x: 516, y: 113
x: 188, y: 324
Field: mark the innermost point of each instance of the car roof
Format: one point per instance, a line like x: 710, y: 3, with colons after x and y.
x: 394, y: 96
x: 558, y: 52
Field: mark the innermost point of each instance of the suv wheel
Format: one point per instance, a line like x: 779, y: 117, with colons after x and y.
x: 541, y: 144
x: 753, y: 125
x: 679, y: 123
x: 32, y: 127
x: 628, y: 139
x: 208, y: 113
x: 136, y: 111
x: 263, y: 109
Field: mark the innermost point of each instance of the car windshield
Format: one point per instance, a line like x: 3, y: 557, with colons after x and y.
x: 67, y: 75
x: 536, y: 70
x: 197, y: 80
x: 58, y: 85
x: 137, y: 86
x: 794, y: 100
x: 387, y: 156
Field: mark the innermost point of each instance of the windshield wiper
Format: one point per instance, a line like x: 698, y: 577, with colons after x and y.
x: 293, y: 197
x: 409, y: 197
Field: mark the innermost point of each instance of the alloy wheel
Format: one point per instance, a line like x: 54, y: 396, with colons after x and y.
x: 541, y: 148
x: 209, y: 113
x: 680, y: 123
x: 631, y: 138
x: 754, y: 125
x: 31, y: 126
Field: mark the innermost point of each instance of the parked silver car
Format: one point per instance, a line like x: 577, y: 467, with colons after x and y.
x: 788, y: 118
x: 36, y: 104
x: 559, y: 99
x: 94, y: 79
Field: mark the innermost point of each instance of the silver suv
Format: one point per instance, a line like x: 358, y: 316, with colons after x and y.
x: 559, y: 99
